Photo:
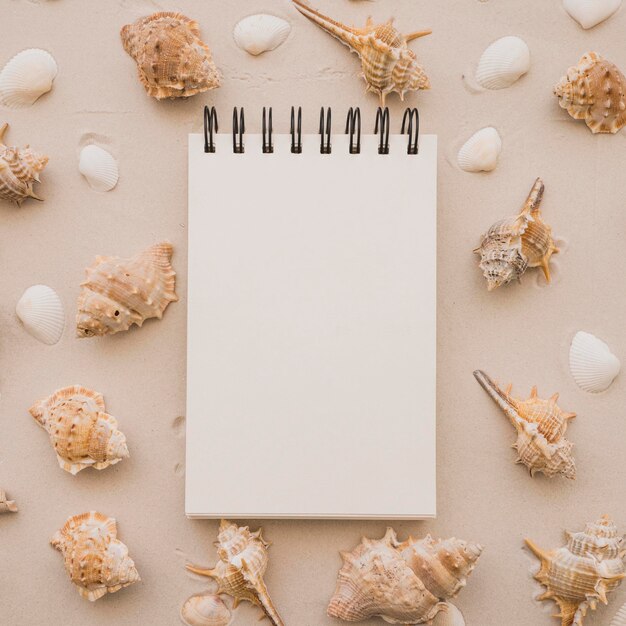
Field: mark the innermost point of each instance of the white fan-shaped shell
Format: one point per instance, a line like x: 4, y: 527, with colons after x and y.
x: 589, y: 13
x: 205, y: 610
x: 449, y: 616
x: 619, y: 618
x: 503, y: 62
x: 259, y: 33
x: 481, y: 151
x: 41, y: 312
x: 25, y: 77
x: 99, y: 167
x: 592, y: 363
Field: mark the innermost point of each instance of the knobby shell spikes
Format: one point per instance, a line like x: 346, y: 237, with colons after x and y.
x: 260, y: 33
x: 503, y: 63
x: 172, y: 60
x: 26, y: 77
x: 404, y: 583
x: 591, y: 362
x: 96, y: 561
x: 481, y: 151
x: 589, y: 13
x: 99, y: 167
x: 540, y: 424
x: 81, y: 432
x: 581, y: 573
x: 205, y: 610
x: 6, y: 506
x: 121, y: 292
x: 387, y: 62
x: 41, y: 312
x: 242, y: 563
x: 594, y: 91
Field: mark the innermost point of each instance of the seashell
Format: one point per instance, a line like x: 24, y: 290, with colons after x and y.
x: 591, y: 362
x: 96, y: 561
x: 589, y: 13
x: 594, y: 91
x: 205, y: 610
x: 26, y: 77
x: 503, y: 63
x: 582, y: 572
x: 619, y: 619
x: 6, y: 506
x: 481, y: 151
x: 540, y: 424
x: 19, y: 170
x: 172, y: 60
x: 387, y: 62
x: 260, y: 33
x: 99, y: 168
x: 41, y: 312
x: 242, y: 563
x: 514, y: 244
x: 81, y: 432
x: 121, y: 292
x: 449, y: 615
x: 404, y: 583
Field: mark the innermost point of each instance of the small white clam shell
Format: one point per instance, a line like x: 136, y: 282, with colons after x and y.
x: 502, y: 63
x: 25, y: 77
x: 205, y: 610
x: 589, y: 13
x: 592, y: 363
x: 41, y: 312
x: 449, y: 616
x: 259, y: 33
x: 481, y: 151
x: 619, y: 619
x: 99, y: 167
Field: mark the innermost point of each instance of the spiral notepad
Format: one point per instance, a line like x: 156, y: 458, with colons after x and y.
x: 312, y: 319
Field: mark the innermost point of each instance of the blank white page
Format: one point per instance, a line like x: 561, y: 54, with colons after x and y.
x: 311, y: 330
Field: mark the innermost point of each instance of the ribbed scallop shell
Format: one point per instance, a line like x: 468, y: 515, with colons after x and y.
x: 99, y: 167
x: 205, y: 610
x: 26, y: 77
x: 6, y: 505
x: 260, y: 33
x: 591, y: 362
x: 481, y: 151
x: 41, y: 312
x: 449, y: 615
x: 619, y: 619
x: 589, y: 13
x: 503, y: 63
x: 95, y: 560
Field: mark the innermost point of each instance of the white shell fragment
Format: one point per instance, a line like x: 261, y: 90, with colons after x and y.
x: 41, y: 312
x: 481, y: 151
x: 99, y: 168
x: 25, y: 77
x: 592, y: 363
x: 589, y: 13
x: 260, y: 33
x: 503, y: 62
x: 449, y: 615
x: 619, y: 619
x: 205, y: 610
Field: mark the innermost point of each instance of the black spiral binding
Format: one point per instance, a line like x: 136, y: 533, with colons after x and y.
x: 210, y: 126
x: 268, y: 146
x: 413, y: 117
x: 296, y: 131
x: 239, y: 128
x: 382, y: 123
x: 325, y: 129
x: 353, y: 125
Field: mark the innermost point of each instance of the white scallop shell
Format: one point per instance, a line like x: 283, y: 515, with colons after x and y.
x: 589, y: 13
x: 259, y: 33
x: 99, y: 168
x: 449, y: 616
x: 592, y: 363
x: 619, y: 619
x: 41, y: 312
x: 481, y: 151
x: 25, y: 77
x: 205, y: 610
x: 503, y: 62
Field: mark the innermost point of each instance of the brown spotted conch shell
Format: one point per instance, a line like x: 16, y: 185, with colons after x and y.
x: 581, y: 573
x: 172, y: 60
x: 594, y: 91
x: 239, y: 571
x: 404, y: 583
x: 387, y: 62
x: 6, y: 506
x: 121, y: 292
x: 540, y: 424
x: 96, y: 561
x: 81, y: 432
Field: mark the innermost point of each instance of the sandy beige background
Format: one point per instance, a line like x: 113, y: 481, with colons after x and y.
x: 520, y: 333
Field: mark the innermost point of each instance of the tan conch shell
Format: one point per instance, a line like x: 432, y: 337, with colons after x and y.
x: 582, y: 572
x: 95, y: 560
x: 516, y: 243
x: 540, y: 425
x: 387, y: 62
x: 404, y: 583
x: 242, y: 563
x: 6, y: 506
x: 594, y: 91
x: 121, y: 292
x: 82, y: 434
x: 172, y: 60
x: 19, y: 170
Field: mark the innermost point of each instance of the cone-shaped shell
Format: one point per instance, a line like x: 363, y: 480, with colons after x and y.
x: 26, y: 77
x: 41, y: 312
x: 205, y: 610
x: 503, y: 63
x: 260, y: 33
x: 6, y: 505
x: 99, y: 167
x: 591, y: 362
